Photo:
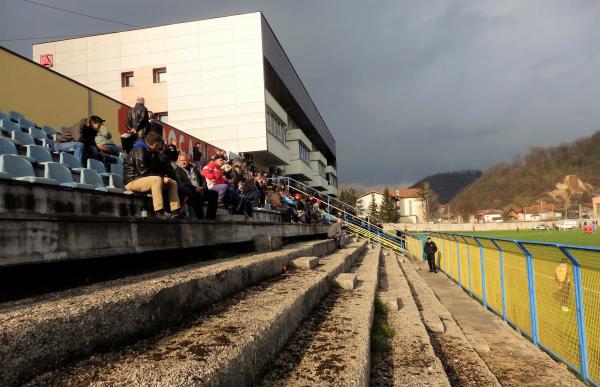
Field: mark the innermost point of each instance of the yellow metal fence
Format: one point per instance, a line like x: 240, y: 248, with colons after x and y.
x: 549, y: 292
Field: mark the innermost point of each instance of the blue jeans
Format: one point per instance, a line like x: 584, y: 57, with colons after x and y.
x: 76, y: 147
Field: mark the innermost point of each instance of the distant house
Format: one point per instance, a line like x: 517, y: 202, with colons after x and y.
x: 535, y: 213
x: 489, y: 216
x: 410, y: 208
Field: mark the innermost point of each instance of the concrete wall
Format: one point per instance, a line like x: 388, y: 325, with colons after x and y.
x: 49, y: 99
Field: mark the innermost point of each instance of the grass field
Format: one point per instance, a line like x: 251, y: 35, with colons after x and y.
x: 569, y: 237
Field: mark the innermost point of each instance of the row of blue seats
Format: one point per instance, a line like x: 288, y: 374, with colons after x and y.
x: 19, y: 168
x: 16, y: 122
x: 40, y: 154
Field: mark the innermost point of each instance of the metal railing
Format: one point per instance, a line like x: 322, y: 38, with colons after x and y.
x: 550, y: 292
x: 339, y: 210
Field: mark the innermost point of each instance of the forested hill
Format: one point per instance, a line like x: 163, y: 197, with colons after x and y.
x: 447, y: 185
x: 539, y: 174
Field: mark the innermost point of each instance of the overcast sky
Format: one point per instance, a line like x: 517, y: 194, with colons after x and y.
x: 408, y: 88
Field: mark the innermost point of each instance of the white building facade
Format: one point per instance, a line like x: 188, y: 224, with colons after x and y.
x: 226, y: 81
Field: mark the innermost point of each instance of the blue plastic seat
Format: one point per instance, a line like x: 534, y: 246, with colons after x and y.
x: 21, y: 138
x: 7, y: 147
x: 70, y: 161
x: 15, y: 116
x: 62, y: 175
x: 115, y: 181
x: 19, y: 168
x: 39, y: 153
x: 25, y: 124
x: 96, y: 165
x: 8, y: 126
x: 49, y: 131
x: 37, y: 133
x: 89, y: 176
x: 99, y: 167
x: 117, y: 168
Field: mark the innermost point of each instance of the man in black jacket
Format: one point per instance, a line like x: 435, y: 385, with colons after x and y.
x: 430, y: 249
x: 193, y: 189
x: 143, y: 172
x: 138, y: 123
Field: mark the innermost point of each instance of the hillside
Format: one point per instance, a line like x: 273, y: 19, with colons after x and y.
x: 542, y: 173
x: 447, y: 185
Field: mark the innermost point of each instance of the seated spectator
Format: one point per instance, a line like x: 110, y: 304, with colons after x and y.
x: 154, y: 125
x: 171, y: 151
x: 80, y: 139
x: 105, y: 143
x: 337, y: 233
x: 240, y: 203
x: 215, y: 179
x: 274, y: 200
x: 144, y: 172
x: 250, y: 191
x: 197, y: 155
x: 193, y: 189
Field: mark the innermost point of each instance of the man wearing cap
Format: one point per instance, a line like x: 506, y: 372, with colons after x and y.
x: 430, y: 249
x: 80, y: 139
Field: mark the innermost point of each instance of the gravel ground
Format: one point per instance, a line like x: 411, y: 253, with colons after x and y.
x: 332, y: 346
x: 213, y: 349
x: 45, y: 333
x: 461, y: 362
x: 411, y: 361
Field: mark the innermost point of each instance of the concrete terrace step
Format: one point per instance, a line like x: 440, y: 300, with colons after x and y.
x: 411, y: 360
x: 44, y: 333
x: 461, y: 362
x: 229, y: 344
x: 333, y: 346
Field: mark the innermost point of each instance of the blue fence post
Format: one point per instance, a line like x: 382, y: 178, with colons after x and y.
x: 468, y: 263
x: 458, y: 259
x: 482, y: 263
x: 501, y: 259
x: 532, y: 301
x: 583, y: 358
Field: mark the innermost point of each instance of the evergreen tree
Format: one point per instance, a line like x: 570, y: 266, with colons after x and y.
x: 348, y: 195
x: 373, y: 210
x: 387, y: 211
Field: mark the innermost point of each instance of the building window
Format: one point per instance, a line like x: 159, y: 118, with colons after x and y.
x: 321, y: 167
x: 162, y: 117
x: 332, y: 179
x: 276, y: 127
x: 304, y: 152
x: 127, y: 79
x: 159, y: 75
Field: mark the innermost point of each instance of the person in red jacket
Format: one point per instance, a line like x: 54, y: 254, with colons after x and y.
x: 213, y: 174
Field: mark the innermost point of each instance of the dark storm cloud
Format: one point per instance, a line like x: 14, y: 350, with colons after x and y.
x: 408, y: 88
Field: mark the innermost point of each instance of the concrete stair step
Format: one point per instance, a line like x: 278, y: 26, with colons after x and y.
x: 412, y: 360
x: 230, y: 343
x: 333, y: 346
x: 461, y: 362
x: 44, y: 333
